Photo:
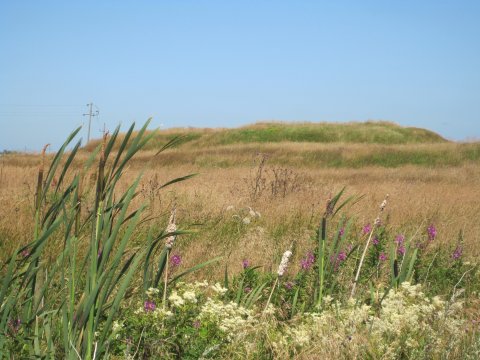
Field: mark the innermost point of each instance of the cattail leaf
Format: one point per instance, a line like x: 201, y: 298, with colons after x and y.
x: 294, y: 302
x: 56, y: 161
x: 255, y: 295
x: 70, y: 158
x: 7, y: 278
x: 240, y: 291
x: 183, y: 178
x: 118, y: 298
x: 194, y: 268
x: 161, y: 266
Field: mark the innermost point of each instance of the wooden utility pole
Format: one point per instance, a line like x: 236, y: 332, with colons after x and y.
x: 90, y: 114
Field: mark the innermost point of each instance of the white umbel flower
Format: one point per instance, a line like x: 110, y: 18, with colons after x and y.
x: 284, y: 263
x: 219, y: 289
x: 176, y: 300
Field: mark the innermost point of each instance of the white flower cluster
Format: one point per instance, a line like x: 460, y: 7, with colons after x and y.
x: 161, y: 313
x: 406, y: 323
x: 190, y: 296
x: 219, y: 289
x: 176, y: 299
x: 230, y: 318
x: 284, y: 263
x: 151, y: 292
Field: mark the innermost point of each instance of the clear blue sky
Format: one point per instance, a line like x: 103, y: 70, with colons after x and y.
x: 228, y: 63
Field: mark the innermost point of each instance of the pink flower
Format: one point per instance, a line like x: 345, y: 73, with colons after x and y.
x: 432, y: 232
x: 176, y: 260
x: 366, y: 229
x: 382, y: 256
x: 399, y: 239
x: 401, y: 249
x: 457, y: 254
x: 308, y: 261
x: 245, y: 263
x: 342, y: 256
x: 149, y: 306
x: 375, y: 241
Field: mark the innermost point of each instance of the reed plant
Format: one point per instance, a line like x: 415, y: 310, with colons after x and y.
x: 65, y: 308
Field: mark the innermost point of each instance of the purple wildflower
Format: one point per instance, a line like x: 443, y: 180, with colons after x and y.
x: 289, y: 285
x: 382, y: 256
x: 375, y: 240
x: 149, y: 306
x: 25, y: 253
x: 342, y: 256
x: 247, y: 289
x: 401, y: 249
x: 400, y: 239
x: 308, y: 261
x: 245, y: 263
x: 366, y: 229
x: 432, y: 232
x: 336, y: 261
x: 341, y: 232
x: 176, y: 260
x: 196, y: 324
x: 457, y: 254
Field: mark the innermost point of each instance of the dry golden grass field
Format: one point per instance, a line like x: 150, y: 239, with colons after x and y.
x: 289, y: 194
x: 272, y: 265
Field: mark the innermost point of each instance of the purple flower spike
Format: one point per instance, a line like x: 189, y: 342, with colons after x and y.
x: 341, y: 232
x: 375, y: 241
x: 289, y: 285
x: 247, y: 290
x: 457, y: 254
x: 149, y: 306
x: 382, y: 256
x: 308, y: 261
x: 245, y: 263
x: 342, y: 256
x: 400, y: 239
x: 366, y: 229
x: 176, y: 260
x: 401, y: 249
x: 432, y: 232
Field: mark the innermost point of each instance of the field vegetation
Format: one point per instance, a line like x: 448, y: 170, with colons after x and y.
x: 268, y: 241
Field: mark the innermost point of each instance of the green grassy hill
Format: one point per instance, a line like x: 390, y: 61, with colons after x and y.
x: 273, y: 132
x: 351, y: 145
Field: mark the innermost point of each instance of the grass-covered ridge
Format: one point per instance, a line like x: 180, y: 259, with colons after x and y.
x: 325, y: 145
x: 370, y: 132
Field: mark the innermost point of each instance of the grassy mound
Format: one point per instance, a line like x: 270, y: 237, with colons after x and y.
x: 369, y: 132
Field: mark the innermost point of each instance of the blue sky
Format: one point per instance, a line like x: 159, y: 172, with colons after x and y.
x: 229, y: 63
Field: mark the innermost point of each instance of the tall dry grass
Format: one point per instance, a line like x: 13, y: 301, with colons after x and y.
x: 445, y: 196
